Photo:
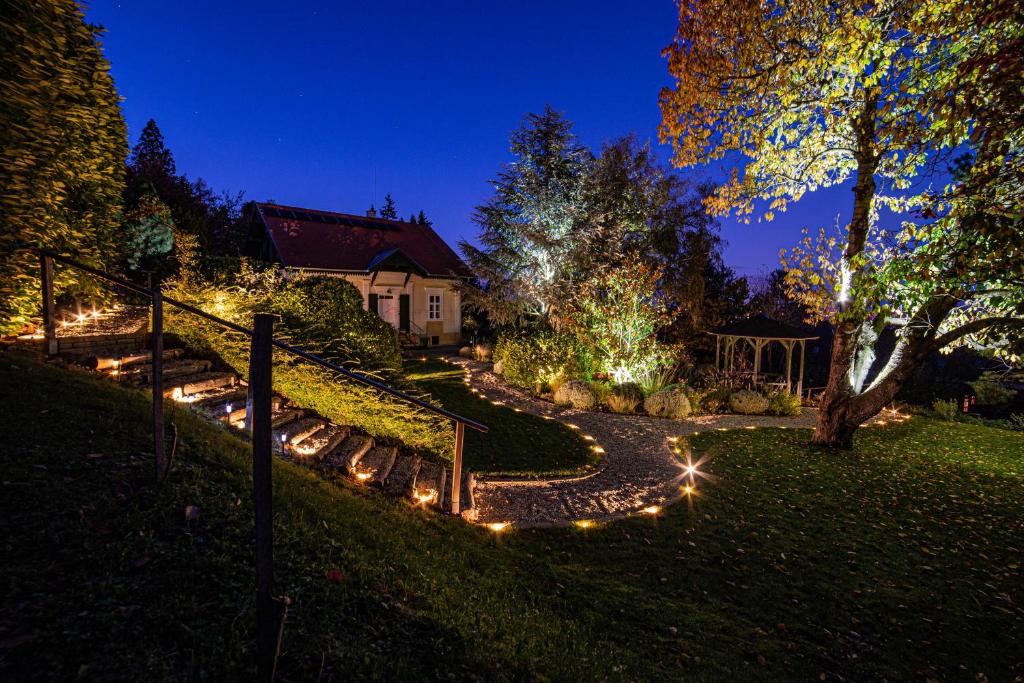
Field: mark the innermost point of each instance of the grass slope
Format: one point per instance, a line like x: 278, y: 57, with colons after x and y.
x: 898, y: 560
x: 517, y: 444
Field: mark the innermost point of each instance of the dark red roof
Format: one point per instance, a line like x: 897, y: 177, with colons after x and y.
x: 306, y: 238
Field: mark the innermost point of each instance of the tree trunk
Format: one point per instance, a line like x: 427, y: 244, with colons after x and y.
x: 836, y: 425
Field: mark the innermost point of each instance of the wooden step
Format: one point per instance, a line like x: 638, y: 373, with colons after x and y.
x: 318, y: 445
x: 296, y: 431
x: 376, y: 465
x: 429, y: 485
x: 214, y: 400
x: 280, y: 418
x: 346, y: 456
x: 194, y: 384
x: 402, y: 477
x: 143, y: 372
x: 110, y: 362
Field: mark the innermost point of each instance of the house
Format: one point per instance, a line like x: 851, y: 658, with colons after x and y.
x: 405, y: 271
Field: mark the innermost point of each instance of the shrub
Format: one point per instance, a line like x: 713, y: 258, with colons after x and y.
x: 542, y: 359
x: 946, y: 410
x: 783, y: 403
x: 696, y: 400
x: 602, y: 390
x: 671, y: 403
x: 1016, y: 422
x: 746, y: 402
x: 990, y: 390
x: 576, y: 393
x: 466, y: 352
x: 325, y: 315
x: 620, y: 403
x: 716, y: 399
x: 630, y: 390
x: 482, y: 352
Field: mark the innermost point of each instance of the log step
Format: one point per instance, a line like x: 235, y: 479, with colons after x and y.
x: 296, y: 431
x: 284, y: 416
x: 347, y: 455
x: 143, y: 372
x: 376, y: 465
x: 194, y: 384
x: 402, y: 477
x: 316, y: 446
x: 429, y: 484
x: 214, y: 400
x: 109, y: 362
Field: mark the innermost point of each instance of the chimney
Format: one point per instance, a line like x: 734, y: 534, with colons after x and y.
x: 371, y: 212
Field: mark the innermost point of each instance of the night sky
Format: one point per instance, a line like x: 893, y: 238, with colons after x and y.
x: 305, y: 103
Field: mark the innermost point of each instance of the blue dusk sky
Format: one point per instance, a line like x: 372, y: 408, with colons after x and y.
x: 313, y: 104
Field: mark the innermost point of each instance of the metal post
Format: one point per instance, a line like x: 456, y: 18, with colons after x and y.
x: 460, y: 433
x: 262, y: 492
x: 49, y: 314
x: 157, y: 381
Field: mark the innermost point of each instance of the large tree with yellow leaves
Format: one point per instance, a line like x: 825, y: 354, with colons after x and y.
x: 918, y: 106
x: 63, y: 144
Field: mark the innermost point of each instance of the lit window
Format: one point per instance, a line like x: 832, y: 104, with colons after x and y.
x: 434, y: 306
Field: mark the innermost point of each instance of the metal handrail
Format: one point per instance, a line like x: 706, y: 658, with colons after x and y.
x: 288, y: 348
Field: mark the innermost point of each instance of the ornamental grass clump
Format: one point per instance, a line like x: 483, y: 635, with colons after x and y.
x: 670, y: 403
x: 482, y: 352
x: 619, y: 403
x: 576, y: 393
x: 747, y: 402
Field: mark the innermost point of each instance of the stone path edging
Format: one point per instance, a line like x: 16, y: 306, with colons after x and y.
x: 639, y: 469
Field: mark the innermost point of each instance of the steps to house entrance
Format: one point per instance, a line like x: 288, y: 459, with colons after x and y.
x: 297, y: 434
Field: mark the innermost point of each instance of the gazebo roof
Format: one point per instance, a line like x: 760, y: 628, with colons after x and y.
x: 763, y: 327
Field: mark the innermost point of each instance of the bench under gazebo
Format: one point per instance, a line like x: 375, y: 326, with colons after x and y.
x: 757, y: 333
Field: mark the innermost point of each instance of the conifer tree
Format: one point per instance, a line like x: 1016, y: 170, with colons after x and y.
x: 531, y: 224
x: 389, y: 211
x: 63, y: 144
x: 423, y: 220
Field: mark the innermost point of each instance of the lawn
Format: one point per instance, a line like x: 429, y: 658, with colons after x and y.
x: 899, y: 560
x: 517, y: 444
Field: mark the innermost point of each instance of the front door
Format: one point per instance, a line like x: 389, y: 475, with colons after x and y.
x: 387, y: 308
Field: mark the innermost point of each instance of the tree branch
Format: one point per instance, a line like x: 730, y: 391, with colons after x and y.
x: 975, y: 326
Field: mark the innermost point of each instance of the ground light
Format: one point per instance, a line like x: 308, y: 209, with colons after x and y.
x: 651, y: 510
x: 498, y: 527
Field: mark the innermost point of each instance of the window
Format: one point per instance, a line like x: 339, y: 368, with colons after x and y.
x: 434, y: 306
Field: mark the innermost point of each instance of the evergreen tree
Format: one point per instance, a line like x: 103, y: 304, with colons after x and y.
x: 389, y: 211
x: 412, y: 218
x: 150, y: 233
x: 150, y: 167
x: 423, y: 220
x: 531, y: 224
x: 62, y: 149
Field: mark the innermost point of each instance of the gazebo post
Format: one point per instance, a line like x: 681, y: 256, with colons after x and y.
x: 789, y: 366
x: 757, y: 357
x: 800, y: 384
x: 718, y: 343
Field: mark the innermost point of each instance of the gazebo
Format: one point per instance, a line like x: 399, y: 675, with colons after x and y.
x: 757, y: 333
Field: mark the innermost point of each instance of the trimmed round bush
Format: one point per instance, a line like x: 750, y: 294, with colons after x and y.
x: 499, y: 367
x: 746, y: 402
x: 466, y: 352
x: 577, y: 394
x: 671, y: 403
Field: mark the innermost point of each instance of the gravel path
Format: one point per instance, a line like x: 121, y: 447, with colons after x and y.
x: 639, y: 468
